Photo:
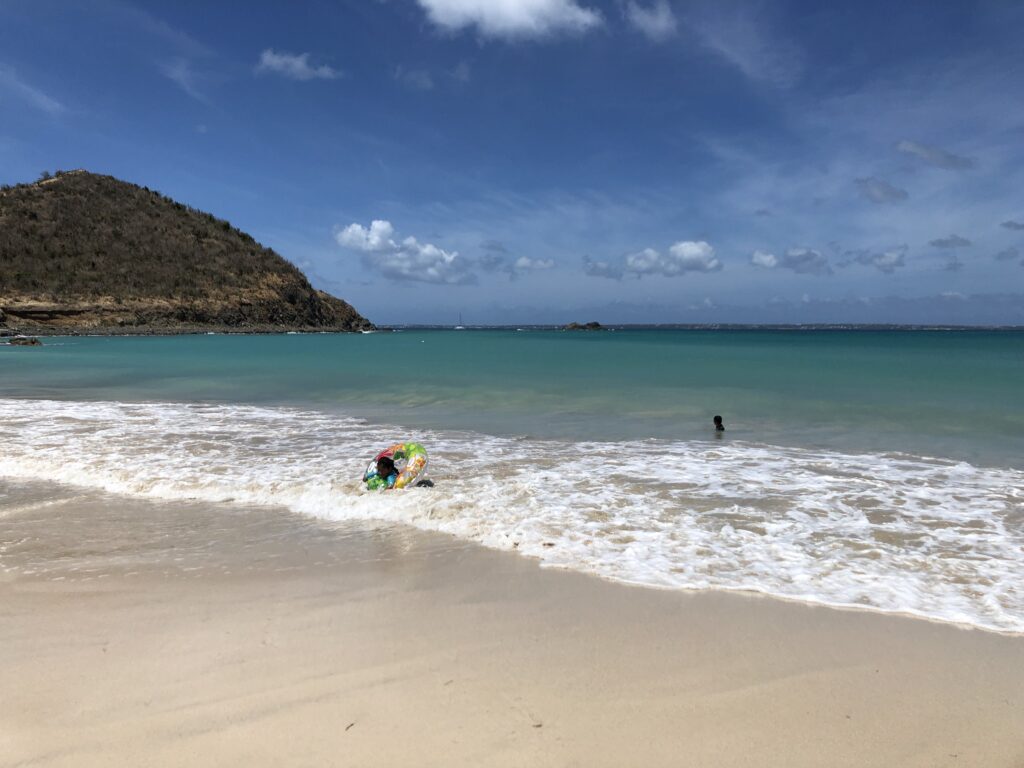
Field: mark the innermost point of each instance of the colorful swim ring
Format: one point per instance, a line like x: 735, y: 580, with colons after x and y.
x: 410, y: 461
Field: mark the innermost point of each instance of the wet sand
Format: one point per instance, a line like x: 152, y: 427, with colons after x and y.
x: 136, y: 633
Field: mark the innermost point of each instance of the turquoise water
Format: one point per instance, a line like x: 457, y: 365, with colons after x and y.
x: 878, y: 470
x: 950, y: 394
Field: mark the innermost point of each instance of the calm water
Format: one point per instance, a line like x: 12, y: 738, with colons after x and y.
x: 873, y: 469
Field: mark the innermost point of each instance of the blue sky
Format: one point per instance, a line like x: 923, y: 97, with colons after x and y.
x: 555, y: 160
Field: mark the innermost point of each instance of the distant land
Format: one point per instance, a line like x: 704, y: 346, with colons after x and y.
x: 709, y: 327
x: 86, y: 253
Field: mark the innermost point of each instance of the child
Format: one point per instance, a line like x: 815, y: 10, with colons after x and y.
x: 387, y: 471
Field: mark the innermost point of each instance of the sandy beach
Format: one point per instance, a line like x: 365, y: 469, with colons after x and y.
x: 260, y: 638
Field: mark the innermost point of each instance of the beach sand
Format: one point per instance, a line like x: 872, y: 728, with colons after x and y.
x: 138, y: 633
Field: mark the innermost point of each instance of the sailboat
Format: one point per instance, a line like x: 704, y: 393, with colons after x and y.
x: 460, y: 326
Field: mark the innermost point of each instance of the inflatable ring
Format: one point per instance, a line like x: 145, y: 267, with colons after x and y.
x: 410, y: 461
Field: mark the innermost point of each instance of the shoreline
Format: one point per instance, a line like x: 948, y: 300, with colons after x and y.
x: 261, y: 637
x: 534, y: 556
x: 195, y: 331
x: 845, y: 585
x: 304, y: 330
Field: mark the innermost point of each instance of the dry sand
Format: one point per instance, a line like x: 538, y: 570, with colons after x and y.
x: 262, y: 640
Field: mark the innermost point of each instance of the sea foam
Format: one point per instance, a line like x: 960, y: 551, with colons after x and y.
x: 891, y: 532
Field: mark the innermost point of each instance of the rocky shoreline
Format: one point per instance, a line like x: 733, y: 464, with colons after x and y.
x: 6, y: 334
x: 319, y: 313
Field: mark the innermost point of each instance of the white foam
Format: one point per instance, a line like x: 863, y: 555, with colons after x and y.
x: 928, y: 537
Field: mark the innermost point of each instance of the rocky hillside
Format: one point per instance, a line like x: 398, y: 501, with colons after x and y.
x: 84, y: 253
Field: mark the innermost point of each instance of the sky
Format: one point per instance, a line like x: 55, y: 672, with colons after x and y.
x: 543, y: 161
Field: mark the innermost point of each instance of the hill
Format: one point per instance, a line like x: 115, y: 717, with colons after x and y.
x: 81, y: 252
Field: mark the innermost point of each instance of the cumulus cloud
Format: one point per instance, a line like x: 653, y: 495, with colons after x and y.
x: 940, y: 158
x: 526, y: 264
x: 764, y: 259
x: 885, y: 261
x: 953, y: 241
x: 376, y: 238
x: 406, y: 259
x: 879, y: 191
x: 1007, y: 254
x: 805, y: 261
x: 12, y: 84
x: 889, y: 261
x: 656, y: 21
x: 1014, y: 225
x: 294, y: 66
x: 512, y: 18
x: 684, y: 256
x: 417, y: 79
x: 601, y: 269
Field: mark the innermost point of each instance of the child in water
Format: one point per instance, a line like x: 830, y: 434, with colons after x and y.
x: 387, y: 472
x: 719, y: 426
x: 386, y: 475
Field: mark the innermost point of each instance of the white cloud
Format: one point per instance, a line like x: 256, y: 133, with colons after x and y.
x: 763, y: 259
x: 408, y: 259
x: 512, y: 18
x: 11, y: 83
x: 684, y: 256
x: 888, y: 261
x: 643, y: 262
x: 656, y: 21
x: 805, y: 261
x: 295, y: 66
x: 940, y: 158
x: 526, y: 264
x: 376, y: 238
x: 879, y: 191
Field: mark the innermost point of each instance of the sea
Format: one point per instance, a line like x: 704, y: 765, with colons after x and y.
x: 872, y: 469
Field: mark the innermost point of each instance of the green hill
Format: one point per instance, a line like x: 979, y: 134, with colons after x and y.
x: 80, y: 252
